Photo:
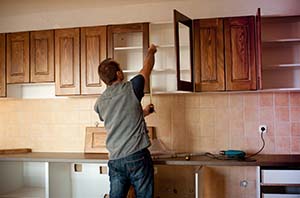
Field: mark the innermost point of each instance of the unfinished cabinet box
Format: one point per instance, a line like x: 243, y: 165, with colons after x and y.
x: 163, y: 77
x: 42, y: 56
x: 78, y: 180
x: 24, y: 179
x: 17, y: 57
x: 128, y: 45
x: 2, y: 66
x: 280, y: 52
x: 175, y: 182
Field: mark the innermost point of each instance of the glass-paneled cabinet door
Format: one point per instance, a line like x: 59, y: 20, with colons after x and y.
x: 184, y: 51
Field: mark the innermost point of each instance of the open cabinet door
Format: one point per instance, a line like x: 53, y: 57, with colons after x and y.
x: 258, y: 49
x: 184, y: 51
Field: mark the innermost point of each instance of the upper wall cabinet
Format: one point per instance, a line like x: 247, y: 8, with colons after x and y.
x: 68, y: 52
x: 42, y: 56
x: 67, y: 64
x: 93, y: 51
x: 17, y: 57
x: 2, y: 66
x: 225, y: 54
x: 280, y: 52
x: 40, y: 66
x: 164, y: 75
x: 128, y: 44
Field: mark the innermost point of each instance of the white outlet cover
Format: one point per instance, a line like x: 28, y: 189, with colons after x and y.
x: 261, y: 127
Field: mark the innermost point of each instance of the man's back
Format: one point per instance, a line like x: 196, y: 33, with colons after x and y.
x: 123, y: 118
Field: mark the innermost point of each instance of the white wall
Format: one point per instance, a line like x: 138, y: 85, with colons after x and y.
x: 16, y: 15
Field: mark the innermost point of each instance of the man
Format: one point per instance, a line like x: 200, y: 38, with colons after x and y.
x: 127, y: 140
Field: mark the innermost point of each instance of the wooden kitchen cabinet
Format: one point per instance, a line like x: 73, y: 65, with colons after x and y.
x: 225, y: 54
x: 42, y: 56
x: 93, y: 51
x: 75, y: 77
x: 30, y: 57
x: 17, y: 57
x: 67, y: 64
x: 2, y: 66
x: 128, y: 45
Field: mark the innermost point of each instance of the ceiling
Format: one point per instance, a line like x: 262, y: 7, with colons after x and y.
x: 35, y: 6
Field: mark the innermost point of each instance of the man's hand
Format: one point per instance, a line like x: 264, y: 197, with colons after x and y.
x: 152, y: 49
x: 148, y: 109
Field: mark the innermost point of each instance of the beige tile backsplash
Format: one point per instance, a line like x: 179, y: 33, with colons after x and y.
x: 184, y: 122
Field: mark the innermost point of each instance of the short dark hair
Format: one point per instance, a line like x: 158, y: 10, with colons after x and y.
x: 107, y: 71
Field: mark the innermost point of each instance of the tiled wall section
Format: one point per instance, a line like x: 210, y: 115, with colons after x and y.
x: 188, y: 122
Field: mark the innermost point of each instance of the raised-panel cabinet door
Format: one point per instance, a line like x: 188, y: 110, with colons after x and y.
x: 67, y: 65
x: 240, y: 53
x: 209, y: 55
x: 42, y: 56
x: 2, y: 66
x: 93, y: 51
x: 17, y: 56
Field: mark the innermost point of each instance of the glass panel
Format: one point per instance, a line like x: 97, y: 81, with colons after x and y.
x: 184, y: 52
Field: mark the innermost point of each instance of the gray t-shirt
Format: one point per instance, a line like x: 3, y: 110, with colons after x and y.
x: 120, y: 109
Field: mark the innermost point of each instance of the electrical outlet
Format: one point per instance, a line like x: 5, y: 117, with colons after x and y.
x: 262, y: 128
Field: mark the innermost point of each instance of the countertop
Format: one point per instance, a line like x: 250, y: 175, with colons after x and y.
x: 259, y: 160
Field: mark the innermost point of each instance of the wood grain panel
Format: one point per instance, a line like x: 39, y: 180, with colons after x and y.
x: 42, y: 56
x: 240, y: 53
x: 209, y: 55
x: 18, y: 57
x: 15, y: 151
x: 95, y: 139
x: 2, y: 66
x: 67, y: 65
x: 93, y: 51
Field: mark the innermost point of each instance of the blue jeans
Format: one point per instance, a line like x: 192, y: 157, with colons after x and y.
x: 137, y: 170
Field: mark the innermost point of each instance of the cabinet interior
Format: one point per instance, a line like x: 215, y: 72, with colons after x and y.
x: 280, y: 52
x: 24, y: 179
